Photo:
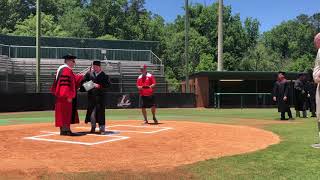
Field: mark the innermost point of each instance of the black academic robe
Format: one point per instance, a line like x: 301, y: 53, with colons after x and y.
x: 96, y: 96
x: 311, y: 89
x: 300, y: 95
x: 280, y: 90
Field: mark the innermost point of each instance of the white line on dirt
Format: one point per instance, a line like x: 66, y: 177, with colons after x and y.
x: 39, y: 138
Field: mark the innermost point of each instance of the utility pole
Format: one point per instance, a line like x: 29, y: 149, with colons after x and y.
x: 220, y: 36
x: 38, y: 47
x: 186, y: 50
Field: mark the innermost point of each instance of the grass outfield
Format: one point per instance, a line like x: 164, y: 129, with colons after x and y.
x: 293, y: 158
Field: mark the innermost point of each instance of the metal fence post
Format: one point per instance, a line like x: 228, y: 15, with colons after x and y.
x: 16, y: 52
x: 120, y: 71
x: 7, y: 68
x: 162, y: 70
x: 9, y: 51
x: 7, y: 75
x: 241, y: 101
x: 219, y: 101
x: 24, y: 72
x: 77, y: 53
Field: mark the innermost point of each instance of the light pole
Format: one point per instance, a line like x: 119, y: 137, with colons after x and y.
x: 38, y: 46
x: 220, y: 36
x: 186, y: 50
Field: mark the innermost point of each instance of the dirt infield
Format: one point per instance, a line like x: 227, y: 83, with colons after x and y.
x: 134, y: 147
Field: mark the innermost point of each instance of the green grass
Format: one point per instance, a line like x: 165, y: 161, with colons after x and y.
x: 293, y: 158
x: 201, y: 115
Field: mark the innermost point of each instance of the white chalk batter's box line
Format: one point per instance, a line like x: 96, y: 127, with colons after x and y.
x: 40, y: 138
x: 117, y: 137
x: 157, y: 129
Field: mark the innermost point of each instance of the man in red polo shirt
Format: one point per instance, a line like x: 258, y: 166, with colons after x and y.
x: 145, y: 83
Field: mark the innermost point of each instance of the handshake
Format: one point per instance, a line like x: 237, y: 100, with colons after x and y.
x: 96, y: 85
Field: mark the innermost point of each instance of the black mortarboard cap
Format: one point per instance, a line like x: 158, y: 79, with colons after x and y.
x: 97, y: 63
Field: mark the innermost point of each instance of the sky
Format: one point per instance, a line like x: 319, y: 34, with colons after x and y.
x: 269, y: 12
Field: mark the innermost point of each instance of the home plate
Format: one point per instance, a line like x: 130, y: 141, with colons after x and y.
x: 89, y: 139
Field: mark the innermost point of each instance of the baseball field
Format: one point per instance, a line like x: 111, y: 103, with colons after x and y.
x: 187, y: 144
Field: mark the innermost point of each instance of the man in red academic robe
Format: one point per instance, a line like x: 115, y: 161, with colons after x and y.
x: 65, y: 90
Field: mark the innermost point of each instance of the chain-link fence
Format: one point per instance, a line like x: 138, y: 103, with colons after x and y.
x: 13, y: 51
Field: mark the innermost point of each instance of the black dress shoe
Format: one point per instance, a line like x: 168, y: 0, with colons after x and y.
x: 93, y: 130
x: 69, y: 133
x: 65, y: 133
x: 103, y: 133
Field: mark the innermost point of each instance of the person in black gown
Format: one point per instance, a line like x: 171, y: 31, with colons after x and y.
x: 281, y: 95
x: 96, y: 97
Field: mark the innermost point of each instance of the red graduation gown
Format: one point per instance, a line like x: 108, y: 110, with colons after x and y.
x: 66, y: 87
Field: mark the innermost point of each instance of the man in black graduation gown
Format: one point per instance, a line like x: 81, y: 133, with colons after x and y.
x: 300, y: 95
x: 311, y: 90
x: 281, y: 95
x: 96, y: 105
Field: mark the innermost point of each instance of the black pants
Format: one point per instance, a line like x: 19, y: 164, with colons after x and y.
x: 283, y: 114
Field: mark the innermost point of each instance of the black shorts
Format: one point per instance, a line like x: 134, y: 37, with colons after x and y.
x: 148, y: 101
